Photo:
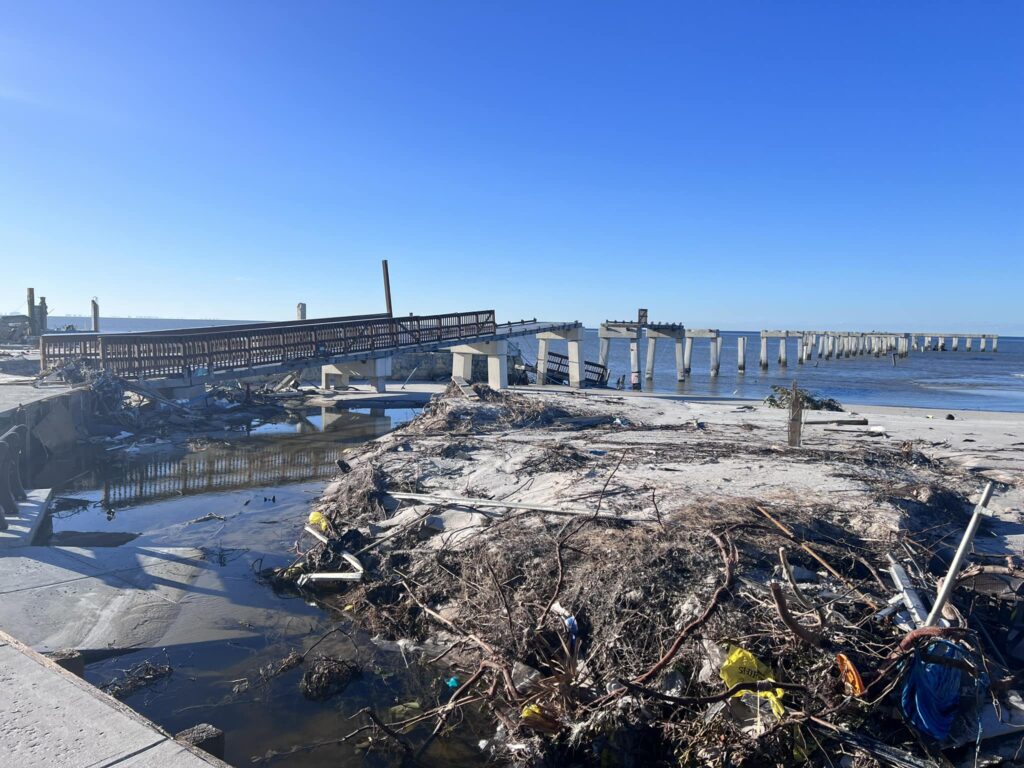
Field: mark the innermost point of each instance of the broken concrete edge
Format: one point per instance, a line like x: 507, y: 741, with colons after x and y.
x: 204, y: 736
x: 103, y: 698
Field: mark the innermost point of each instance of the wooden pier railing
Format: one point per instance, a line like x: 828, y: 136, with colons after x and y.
x: 202, y: 352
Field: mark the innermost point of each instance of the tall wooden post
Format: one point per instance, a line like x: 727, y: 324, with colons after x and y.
x: 796, y: 413
x: 387, y: 286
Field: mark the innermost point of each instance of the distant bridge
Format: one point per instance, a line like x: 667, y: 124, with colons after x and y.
x: 191, y: 356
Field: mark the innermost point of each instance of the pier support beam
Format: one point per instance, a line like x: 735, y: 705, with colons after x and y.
x: 95, y: 316
x: 680, y: 361
x: 652, y: 347
x: 573, y: 338
x: 497, y: 361
x: 782, y: 351
x: 376, y: 371
x: 634, y: 364
x: 542, y: 359
x: 687, y: 354
x: 715, y: 348
x: 981, y: 343
x: 970, y: 341
x: 604, y: 347
x: 764, y: 353
x: 741, y: 354
x: 956, y: 343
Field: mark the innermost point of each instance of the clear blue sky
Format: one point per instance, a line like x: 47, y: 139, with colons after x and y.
x: 816, y: 164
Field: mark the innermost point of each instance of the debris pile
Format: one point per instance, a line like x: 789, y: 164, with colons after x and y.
x: 782, y: 397
x: 599, y: 610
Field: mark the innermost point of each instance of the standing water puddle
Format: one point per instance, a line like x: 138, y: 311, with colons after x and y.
x: 240, y: 503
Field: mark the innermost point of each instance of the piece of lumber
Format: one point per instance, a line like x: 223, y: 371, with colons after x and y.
x: 459, y: 501
x: 330, y: 577
x: 841, y: 422
x: 464, y: 387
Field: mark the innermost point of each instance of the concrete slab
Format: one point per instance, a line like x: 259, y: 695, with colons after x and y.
x: 53, y: 597
x: 15, y: 391
x: 21, y: 530
x: 49, y: 717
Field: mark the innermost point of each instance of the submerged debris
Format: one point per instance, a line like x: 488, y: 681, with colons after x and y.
x: 134, y: 678
x: 326, y: 676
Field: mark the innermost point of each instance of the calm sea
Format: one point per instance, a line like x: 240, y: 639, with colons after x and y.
x: 975, y: 380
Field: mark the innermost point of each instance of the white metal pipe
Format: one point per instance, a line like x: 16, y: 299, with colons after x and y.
x: 958, y: 559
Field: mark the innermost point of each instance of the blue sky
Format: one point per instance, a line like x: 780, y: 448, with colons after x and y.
x: 728, y: 164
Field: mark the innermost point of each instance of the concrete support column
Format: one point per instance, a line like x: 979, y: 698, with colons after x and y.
x: 970, y: 341
x: 687, y: 354
x: 542, y: 359
x: 652, y: 346
x: 575, y: 363
x: 981, y: 343
x: 799, y: 350
x: 95, y: 316
x: 330, y: 378
x: 764, y: 353
x: 462, y: 365
x: 603, y: 349
x: 782, y: 351
x: 821, y: 345
x: 741, y: 354
x: 995, y: 343
x: 300, y: 311
x: 634, y: 363
x: 714, y: 349
x: 913, y: 342
x: 497, y: 369
x: 680, y: 361
x: 956, y: 343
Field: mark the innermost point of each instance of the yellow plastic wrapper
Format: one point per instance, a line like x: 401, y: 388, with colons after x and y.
x: 741, y: 666
x: 317, y: 520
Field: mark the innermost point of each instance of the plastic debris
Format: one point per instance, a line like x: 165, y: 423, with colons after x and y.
x: 741, y: 666
x: 850, y: 675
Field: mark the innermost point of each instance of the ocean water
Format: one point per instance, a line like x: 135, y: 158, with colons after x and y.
x: 962, y: 380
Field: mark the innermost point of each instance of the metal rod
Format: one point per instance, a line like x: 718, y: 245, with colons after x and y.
x: 387, y: 286
x: 949, y: 583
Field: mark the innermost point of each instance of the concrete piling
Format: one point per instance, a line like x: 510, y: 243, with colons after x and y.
x: 542, y: 360
x: 687, y: 354
x: 764, y: 352
x: 300, y: 311
x: 741, y: 354
x: 652, y: 346
x: 715, y: 348
x: 95, y: 316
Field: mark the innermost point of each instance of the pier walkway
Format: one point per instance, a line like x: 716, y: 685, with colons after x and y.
x: 188, y: 357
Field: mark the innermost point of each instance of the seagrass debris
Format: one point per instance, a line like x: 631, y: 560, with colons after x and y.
x: 573, y: 633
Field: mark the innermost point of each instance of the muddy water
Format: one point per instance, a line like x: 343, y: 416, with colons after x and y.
x: 230, y: 625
